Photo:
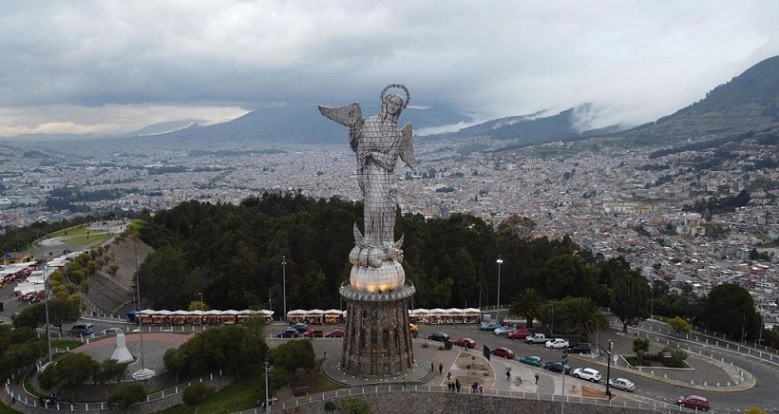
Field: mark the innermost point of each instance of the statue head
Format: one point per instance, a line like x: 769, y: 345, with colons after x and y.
x: 393, y: 104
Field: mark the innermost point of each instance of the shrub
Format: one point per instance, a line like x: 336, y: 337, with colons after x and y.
x: 126, y: 397
x: 330, y: 406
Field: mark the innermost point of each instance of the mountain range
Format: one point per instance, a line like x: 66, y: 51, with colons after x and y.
x: 748, y: 102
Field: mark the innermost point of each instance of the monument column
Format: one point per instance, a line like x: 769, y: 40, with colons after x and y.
x: 377, y: 340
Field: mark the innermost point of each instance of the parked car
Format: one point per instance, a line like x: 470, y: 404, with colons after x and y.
x: 588, y: 374
x: 439, y: 336
x: 622, y: 384
x: 288, y: 333
x: 519, y: 333
x: 503, y: 330
x: 300, y: 327
x: 530, y: 360
x: 338, y: 333
x: 557, y: 343
x: 538, y: 338
x: 313, y: 333
x: 580, y: 348
x: 489, y: 326
x: 110, y: 331
x: 503, y: 352
x: 82, y: 329
x: 694, y: 401
x: 557, y: 367
x: 466, y: 342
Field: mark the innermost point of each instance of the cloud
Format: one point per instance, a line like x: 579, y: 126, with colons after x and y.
x: 69, y: 64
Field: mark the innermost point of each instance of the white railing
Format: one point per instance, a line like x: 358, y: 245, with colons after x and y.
x: 383, y: 389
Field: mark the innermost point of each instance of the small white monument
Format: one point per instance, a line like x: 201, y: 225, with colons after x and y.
x: 121, y: 353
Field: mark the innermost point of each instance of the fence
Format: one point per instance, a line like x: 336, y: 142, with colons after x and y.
x: 39, y: 402
x: 383, y: 389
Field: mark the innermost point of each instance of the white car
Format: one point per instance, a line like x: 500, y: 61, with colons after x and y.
x: 622, y: 384
x: 557, y: 343
x: 588, y: 374
x: 110, y: 331
x: 504, y: 330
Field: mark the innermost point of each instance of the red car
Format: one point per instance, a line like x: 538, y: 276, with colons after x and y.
x: 519, y: 333
x: 503, y: 352
x: 466, y: 342
x: 338, y: 333
x: 694, y: 401
x: 313, y: 333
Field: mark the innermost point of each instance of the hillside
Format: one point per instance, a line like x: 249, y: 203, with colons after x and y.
x: 112, y: 293
x: 749, y: 102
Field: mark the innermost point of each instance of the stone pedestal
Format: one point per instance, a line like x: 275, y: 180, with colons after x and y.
x: 377, y: 340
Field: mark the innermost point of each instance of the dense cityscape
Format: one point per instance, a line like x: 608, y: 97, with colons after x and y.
x: 613, y: 200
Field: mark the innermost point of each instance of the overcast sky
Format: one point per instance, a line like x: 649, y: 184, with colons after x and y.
x: 109, y: 66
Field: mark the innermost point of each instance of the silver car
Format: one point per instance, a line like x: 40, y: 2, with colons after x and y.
x: 623, y: 384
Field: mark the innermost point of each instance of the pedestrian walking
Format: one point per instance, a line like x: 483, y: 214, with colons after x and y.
x: 474, y: 388
x: 508, y: 374
x: 432, y: 367
x: 440, y: 368
x: 449, y: 375
x: 457, y: 384
x: 481, y: 389
x: 536, y: 379
x: 450, y: 385
x: 404, y: 383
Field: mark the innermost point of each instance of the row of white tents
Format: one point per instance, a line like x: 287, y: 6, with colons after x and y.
x: 453, y: 315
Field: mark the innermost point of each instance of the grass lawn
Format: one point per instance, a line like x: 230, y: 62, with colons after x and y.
x: 4, y: 409
x: 240, y: 395
x: 65, y: 344
x: 84, y: 239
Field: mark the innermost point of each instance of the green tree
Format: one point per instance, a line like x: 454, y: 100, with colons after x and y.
x: 528, y: 305
x: 640, y: 347
x: 293, y: 355
x: 630, y: 301
x: 69, y: 371
x: 583, y: 316
x: 679, y: 325
x: 126, y: 397
x: 63, y: 311
x: 111, y: 370
x: 175, y: 362
x: 730, y: 309
x: 755, y: 410
x: 32, y: 316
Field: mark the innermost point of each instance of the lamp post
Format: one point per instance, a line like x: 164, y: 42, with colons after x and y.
x: 202, y: 304
x: 500, y: 262
x: 46, y: 302
x: 143, y: 373
x: 284, y: 284
x: 267, y: 406
x: 652, y: 303
x: 565, y: 364
x: 743, y: 325
x: 608, y: 370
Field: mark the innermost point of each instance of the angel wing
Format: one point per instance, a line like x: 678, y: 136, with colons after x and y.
x: 406, y: 148
x: 349, y: 116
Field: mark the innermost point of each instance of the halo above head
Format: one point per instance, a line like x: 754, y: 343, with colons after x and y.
x: 399, y: 86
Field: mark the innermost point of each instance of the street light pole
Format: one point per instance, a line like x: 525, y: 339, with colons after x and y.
x: 608, y: 371
x: 500, y: 262
x: 565, y: 364
x: 46, y: 301
x: 267, y: 406
x: 284, y: 283
x: 743, y: 326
